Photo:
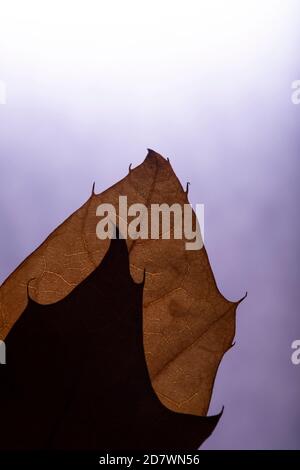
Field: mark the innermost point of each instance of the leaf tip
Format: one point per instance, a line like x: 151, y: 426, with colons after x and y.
x: 156, y: 157
x: 243, y: 298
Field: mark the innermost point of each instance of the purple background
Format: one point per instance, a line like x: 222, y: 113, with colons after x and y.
x: 89, y: 89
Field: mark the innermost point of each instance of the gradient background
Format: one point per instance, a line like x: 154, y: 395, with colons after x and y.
x: 91, y: 85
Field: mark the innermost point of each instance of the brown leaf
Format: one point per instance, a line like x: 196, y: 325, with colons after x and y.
x: 77, y: 377
x: 188, y: 324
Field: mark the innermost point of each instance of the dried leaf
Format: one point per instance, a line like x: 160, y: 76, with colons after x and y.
x: 188, y: 324
x: 76, y: 375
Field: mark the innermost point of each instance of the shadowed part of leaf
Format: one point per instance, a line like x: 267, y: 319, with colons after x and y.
x: 76, y: 375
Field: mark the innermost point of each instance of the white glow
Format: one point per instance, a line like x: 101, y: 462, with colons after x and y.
x: 69, y: 33
x: 158, y: 45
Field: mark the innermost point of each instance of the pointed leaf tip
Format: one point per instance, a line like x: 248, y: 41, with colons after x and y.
x: 155, y: 156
